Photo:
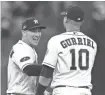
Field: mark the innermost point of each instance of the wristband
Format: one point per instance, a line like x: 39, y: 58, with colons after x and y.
x: 40, y: 89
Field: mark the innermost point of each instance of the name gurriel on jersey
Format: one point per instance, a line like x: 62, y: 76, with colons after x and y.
x: 77, y: 41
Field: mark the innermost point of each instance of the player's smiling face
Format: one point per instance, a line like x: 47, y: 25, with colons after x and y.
x: 34, y: 36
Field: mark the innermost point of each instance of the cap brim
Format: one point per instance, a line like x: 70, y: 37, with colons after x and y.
x: 63, y: 13
x: 41, y: 27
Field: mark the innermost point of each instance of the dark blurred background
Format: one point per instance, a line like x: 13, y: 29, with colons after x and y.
x: 14, y: 12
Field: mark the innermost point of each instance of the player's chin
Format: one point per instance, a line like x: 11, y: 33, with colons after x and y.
x: 35, y: 43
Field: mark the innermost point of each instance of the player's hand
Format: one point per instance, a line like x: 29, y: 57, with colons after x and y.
x: 47, y: 93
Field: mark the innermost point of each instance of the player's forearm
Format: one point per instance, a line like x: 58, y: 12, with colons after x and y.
x: 44, y: 79
x: 42, y: 85
x: 33, y: 70
x: 49, y: 89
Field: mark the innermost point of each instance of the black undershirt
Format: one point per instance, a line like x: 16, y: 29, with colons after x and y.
x: 33, y: 70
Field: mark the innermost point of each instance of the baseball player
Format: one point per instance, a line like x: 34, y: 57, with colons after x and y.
x: 23, y: 66
x: 69, y: 58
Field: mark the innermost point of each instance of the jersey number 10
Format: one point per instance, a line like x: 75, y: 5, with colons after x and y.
x: 80, y: 63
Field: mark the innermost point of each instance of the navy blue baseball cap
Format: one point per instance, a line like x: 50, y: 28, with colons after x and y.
x: 31, y: 24
x: 74, y: 12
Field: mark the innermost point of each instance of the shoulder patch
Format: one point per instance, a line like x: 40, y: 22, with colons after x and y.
x: 24, y: 59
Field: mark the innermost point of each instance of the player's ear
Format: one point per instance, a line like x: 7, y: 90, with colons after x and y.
x: 23, y: 32
x: 65, y: 19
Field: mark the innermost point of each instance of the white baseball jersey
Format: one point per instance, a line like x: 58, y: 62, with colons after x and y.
x: 72, y: 54
x: 20, y: 56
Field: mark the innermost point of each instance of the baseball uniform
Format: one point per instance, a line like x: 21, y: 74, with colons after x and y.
x: 72, y: 55
x: 20, y: 56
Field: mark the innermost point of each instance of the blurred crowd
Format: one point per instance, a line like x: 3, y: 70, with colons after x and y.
x: 13, y: 14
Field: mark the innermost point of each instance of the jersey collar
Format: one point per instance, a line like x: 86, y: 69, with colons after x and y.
x: 74, y: 33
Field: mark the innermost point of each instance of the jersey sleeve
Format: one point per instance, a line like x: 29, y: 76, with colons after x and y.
x: 51, y: 55
x: 23, y: 57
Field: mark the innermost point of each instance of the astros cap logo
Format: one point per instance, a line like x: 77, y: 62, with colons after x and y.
x: 36, y: 21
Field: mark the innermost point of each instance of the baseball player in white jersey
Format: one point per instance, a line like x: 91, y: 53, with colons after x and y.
x: 69, y: 58
x: 23, y: 66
